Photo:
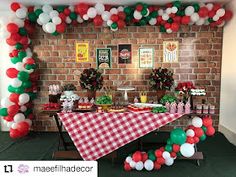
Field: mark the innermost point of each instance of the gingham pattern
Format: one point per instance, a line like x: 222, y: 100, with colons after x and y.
x: 97, y: 134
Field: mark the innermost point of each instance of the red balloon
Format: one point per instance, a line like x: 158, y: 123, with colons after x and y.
x: 198, y: 131
x: 61, y: 28
x: 24, y: 40
x: 174, y: 27
x: 207, y: 121
x: 8, y: 118
x: 167, y: 25
x: 23, y: 128
x: 12, y: 72
x: 30, y: 61
x: 185, y: 20
x: 211, y: 14
x: 14, y: 133
x: 158, y: 153
x: 216, y: 7
x: 121, y: 24
x: 172, y: 15
x: 31, y: 9
x: 160, y: 160
x: 98, y: 20
x: 11, y: 55
x: 203, y: 12
x: 144, y: 157
x: 139, y: 7
x: 177, y: 19
x: 30, y: 28
x: 108, y: 7
x: 74, y: 23
x: 219, y: 22
x: 30, y: 116
x: 210, y: 131
x: 13, y: 110
x: 157, y: 166
x: 176, y: 147
x: 121, y: 15
x: 11, y: 42
x: 15, y: 6
x: 62, y: 16
x: 228, y: 15
x: 190, y: 140
x: 12, y: 28
x: 67, y: 11
x: 169, y: 4
x: 173, y: 154
x: 16, y: 37
x: 159, y: 19
x: 114, y: 17
x: 15, y: 53
x: 14, y: 97
x: 196, y: 139
x: 137, y: 156
x: 162, y: 149
x: 81, y: 9
x: 127, y: 167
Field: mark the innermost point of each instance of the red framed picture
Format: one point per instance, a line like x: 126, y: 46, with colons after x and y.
x: 124, y: 54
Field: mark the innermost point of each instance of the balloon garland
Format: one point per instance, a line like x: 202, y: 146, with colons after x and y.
x: 180, y: 143
x: 17, y: 108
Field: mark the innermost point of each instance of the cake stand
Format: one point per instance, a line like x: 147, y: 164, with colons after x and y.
x: 126, y: 89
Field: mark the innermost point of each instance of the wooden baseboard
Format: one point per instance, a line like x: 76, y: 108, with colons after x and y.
x: 231, y: 136
x: 196, y: 156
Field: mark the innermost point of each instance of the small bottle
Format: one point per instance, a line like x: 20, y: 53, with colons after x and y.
x: 167, y: 106
x: 187, y: 108
x: 135, y: 100
x: 199, y: 109
x: 212, y: 109
x: 205, y: 109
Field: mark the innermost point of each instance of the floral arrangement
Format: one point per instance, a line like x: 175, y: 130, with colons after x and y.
x: 69, y: 87
x: 161, y: 79
x: 185, y: 87
x: 168, y: 98
x: 91, y: 79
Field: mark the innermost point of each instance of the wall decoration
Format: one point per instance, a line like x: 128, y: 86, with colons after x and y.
x: 82, y: 52
x: 170, y: 51
x: 103, y: 58
x: 124, y: 53
x: 146, y: 57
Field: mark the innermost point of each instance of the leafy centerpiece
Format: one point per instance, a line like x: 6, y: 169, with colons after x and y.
x: 104, y: 101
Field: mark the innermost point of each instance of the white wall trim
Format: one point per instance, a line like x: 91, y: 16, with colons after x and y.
x: 231, y: 136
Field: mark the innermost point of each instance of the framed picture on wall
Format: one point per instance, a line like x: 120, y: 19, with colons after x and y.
x: 124, y: 54
x: 170, y: 51
x: 146, y: 57
x: 82, y: 51
x: 103, y: 57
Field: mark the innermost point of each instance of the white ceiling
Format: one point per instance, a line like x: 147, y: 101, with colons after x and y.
x: 6, y: 3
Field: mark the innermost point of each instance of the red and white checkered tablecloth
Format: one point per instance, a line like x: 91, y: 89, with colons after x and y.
x: 98, y: 134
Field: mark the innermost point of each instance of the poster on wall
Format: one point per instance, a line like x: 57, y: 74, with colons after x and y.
x: 82, y: 52
x: 146, y: 57
x: 170, y: 51
x: 103, y: 58
x: 124, y: 53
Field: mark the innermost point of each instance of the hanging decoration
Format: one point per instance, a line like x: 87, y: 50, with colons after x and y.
x: 180, y: 143
x: 17, y: 108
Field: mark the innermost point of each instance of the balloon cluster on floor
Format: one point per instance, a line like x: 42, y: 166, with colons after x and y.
x: 180, y: 143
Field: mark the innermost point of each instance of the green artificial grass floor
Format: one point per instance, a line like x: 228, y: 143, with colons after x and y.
x: 219, y: 154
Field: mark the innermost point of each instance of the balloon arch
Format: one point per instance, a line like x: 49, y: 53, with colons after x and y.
x: 17, y: 108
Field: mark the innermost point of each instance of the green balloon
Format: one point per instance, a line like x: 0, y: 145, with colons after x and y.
x: 168, y: 148
x: 143, y: 22
x: 55, y: 33
x: 148, y: 18
x: 144, y: 12
x: 169, y: 141
x: 73, y: 15
x: 152, y: 157
x: 61, y: 8
x: 162, y: 29
x: 203, y: 137
x: 15, y: 60
x: 178, y: 136
x: 22, y: 54
x: 11, y: 89
x: 151, y: 151
x: 128, y: 18
x: 114, y: 25
x: 23, y: 76
x: 210, y: 20
x: 20, y: 90
x: 32, y: 16
x: 204, y: 129
x: 180, y: 13
x: 22, y: 31
x: 170, y: 20
x: 177, y: 4
x: 154, y: 14
x: 196, y: 7
x: 179, y: 154
x: 32, y: 95
x: 128, y: 10
x: 38, y: 12
x: 26, y: 84
x: 18, y: 46
x: 3, y: 112
x: 28, y: 112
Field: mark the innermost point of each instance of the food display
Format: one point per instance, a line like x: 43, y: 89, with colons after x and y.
x: 85, y: 106
x: 103, y: 100
x: 138, y: 109
x: 161, y: 109
x: 116, y: 109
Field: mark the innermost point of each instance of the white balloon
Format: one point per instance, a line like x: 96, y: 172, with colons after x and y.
x: 216, y: 18
x: 16, y: 82
x: 68, y: 20
x: 85, y: 17
x: 100, y: 8
x: 47, y: 8
x: 169, y: 31
x: 190, y: 133
x: 44, y: 18
x: 189, y: 10
x: 206, y: 22
x: 114, y: 11
x: 166, y: 155
x: 44, y: 28
x: 137, y: 15
x: 120, y: 9
x: 174, y: 10
x: 28, y: 121
x: 132, y: 164
x: 153, y: 21
x: 209, y: 6
x: 109, y: 22
x: 187, y: 150
x: 160, y: 12
x: 19, y: 117
x: 197, y: 122
x: 92, y: 12
x: 20, y: 66
x: 79, y: 19
x: 169, y: 10
x: 23, y: 108
x: 56, y: 20
x: 148, y: 12
x: 24, y: 98
x: 53, y: 13
x: 148, y: 165
x: 139, y: 166
x: 165, y: 16
x: 195, y: 17
x: 200, y: 22
x: 21, y: 12
x: 5, y: 102
x: 169, y: 161
x: 106, y: 15
x: 39, y: 22
x: 9, y: 124
x: 14, y: 126
x: 50, y: 27
x: 72, y: 8
x: 220, y: 12
x: 128, y: 159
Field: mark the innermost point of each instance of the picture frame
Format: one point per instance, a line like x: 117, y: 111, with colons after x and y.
x: 82, y: 51
x: 146, y: 57
x: 170, y: 52
x: 124, y: 54
x: 103, y: 58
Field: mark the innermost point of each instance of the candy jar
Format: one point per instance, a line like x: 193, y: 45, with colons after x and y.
x: 180, y: 108
x: 167, y: 106
x: 187, y: 108
x: 173, y: 108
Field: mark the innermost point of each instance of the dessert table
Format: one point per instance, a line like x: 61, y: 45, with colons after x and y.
x: 98, y: 134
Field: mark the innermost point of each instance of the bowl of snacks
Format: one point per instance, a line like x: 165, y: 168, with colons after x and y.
x: 104, y: 101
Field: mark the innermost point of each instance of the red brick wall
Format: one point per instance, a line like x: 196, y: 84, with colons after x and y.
x: 199, y: 61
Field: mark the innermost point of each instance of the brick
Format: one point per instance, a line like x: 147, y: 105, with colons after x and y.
x: 201, y: 70
x: 140, y: 35
x: 183, y: 70
x: 112, y: 71
x: 88, y: 36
